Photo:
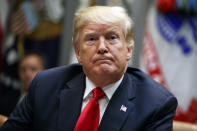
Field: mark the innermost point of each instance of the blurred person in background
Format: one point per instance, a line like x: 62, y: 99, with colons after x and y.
x: 101, y: 92
x: 29, y: 66
x: 26, y: 26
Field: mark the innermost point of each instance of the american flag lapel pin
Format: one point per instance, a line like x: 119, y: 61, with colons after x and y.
x: 123, y: 108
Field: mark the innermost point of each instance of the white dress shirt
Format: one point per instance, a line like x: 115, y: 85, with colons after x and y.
x: 103, y: 102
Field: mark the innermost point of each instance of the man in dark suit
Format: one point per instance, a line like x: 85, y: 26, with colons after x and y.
x: 101, y: 93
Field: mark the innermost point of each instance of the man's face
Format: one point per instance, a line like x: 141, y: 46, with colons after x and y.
x: 28, y: 68
x: 103, y: 51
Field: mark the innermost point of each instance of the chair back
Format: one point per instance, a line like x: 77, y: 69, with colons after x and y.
x: 184, y: 126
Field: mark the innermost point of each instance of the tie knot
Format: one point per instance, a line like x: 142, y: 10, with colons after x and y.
x: 98, y: 93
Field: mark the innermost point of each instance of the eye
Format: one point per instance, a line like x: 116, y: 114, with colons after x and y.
x: 92, y: 39
x: 113, y: 37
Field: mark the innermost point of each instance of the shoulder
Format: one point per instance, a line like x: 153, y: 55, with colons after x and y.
x: 155, y: 105
x: 140, y: 77
x: 49, y: 83
x: 65, y: 72
x: 152, y: 96
x: 55, y: 77
x: 147, y: 88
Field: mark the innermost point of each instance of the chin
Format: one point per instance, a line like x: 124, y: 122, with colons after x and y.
x: 100, y: 70
x: 105, y: 69
x: 105, y: 66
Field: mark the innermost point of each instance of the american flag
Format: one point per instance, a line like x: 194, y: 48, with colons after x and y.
x: 19, y: 23
x: 24, y: 20
x: 123, y: 108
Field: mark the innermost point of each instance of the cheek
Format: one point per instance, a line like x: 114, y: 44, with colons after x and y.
x: 83, y: 58
x: 119, y: 53
x: 86, y: 54
x: 23, y: 79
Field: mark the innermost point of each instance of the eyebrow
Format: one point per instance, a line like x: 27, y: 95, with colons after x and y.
x: 89, y: 32
x: 110, y: 30
x: 113, y: 30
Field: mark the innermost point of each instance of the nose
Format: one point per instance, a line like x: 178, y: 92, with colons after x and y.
x: 102, y: 47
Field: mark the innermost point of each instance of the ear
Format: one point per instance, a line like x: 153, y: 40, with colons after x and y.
x: 77, y: 52
x: 130, y: 50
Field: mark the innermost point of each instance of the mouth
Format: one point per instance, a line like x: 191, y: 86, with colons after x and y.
x: 103, y: 60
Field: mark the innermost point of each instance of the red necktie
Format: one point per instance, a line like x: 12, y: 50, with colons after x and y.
x: 89, y: 118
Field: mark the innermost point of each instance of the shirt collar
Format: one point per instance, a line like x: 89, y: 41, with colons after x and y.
x: 109, y: 89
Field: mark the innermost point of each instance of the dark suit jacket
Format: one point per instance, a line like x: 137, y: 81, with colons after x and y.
x: 55, y: 98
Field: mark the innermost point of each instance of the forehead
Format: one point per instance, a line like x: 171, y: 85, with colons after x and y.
x: 30, y: 60
x: 101, y: 28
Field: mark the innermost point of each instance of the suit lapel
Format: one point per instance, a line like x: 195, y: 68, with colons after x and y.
x: 70, y: 103
x: 114, y: 115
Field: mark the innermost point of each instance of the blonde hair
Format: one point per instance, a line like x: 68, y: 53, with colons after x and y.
x: 103, y: 15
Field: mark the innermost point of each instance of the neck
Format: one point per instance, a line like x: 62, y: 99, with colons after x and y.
x: 103, y: 81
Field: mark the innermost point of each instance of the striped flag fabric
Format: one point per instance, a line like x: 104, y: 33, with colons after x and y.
x: 24, y: 20
x: 19, y: 23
